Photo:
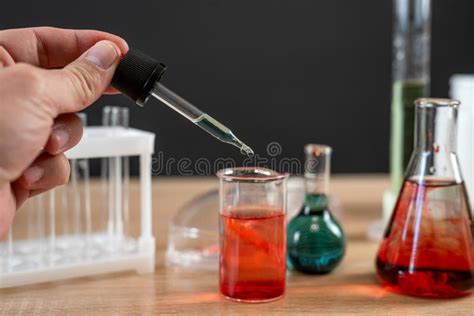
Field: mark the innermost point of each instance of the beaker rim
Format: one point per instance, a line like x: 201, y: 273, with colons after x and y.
x: 250, y: 174
x: 436, y: 102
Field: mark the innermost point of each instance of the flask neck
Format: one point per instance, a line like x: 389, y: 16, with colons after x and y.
x: 435, y: 130
x: 434, y: 153
x: 315, y: 204
x: 316, y: 185
x: 317, y: 171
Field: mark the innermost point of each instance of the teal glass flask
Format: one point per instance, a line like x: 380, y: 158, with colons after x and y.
x: 315, y: 239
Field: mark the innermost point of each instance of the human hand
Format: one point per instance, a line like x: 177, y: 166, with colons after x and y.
x: 46, y: 74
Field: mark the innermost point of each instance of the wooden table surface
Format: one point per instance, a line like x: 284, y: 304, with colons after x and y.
x: 351, y: 289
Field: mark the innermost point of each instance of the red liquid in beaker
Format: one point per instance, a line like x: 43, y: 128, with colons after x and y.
x: 428, y: 248
x: 253, y: 254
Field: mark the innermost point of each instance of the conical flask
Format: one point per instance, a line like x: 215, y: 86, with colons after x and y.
x: 428, y: 247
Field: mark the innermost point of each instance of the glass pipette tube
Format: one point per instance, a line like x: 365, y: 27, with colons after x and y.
x: 138, y: 76
x: 198, y: 117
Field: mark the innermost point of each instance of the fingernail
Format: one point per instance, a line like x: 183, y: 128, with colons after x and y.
x: 102, y: 54
x: 33, y: 174
x: 61, y: 136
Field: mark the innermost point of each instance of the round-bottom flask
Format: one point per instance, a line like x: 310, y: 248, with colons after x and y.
x: 315, y: 239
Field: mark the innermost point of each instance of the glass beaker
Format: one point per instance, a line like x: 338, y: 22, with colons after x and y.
x: 428, y: 247
x: 252, y: 260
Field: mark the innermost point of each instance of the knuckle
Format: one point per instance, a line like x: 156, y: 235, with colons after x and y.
x: 45, y: 28
x: 86, y: 82
x: 31, y: 78
x: 30, y: 83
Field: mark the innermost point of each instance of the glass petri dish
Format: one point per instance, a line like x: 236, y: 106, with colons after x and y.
x: 193, y: 240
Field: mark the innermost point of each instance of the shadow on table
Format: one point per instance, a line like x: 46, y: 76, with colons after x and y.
x: 355, y: 286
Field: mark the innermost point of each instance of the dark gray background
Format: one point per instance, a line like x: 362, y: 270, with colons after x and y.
x: 288, y: 71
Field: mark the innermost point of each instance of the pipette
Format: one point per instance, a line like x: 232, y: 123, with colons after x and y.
x: 138, y: 76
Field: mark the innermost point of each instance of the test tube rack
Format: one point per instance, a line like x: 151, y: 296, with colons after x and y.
x: 55, y: 256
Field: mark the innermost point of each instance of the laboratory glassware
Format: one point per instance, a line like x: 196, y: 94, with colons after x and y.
x: 35, y: 250
x: 411, y: 79
x: 315, y: 239
x: 138, y: 76
x: 75, y: 211
x: 252, y: 230
x: 428, y: 247
x: 115, y: 178
x: 193, y: 237
x: 462, y: 89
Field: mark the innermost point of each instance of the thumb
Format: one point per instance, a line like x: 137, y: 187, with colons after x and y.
x: 83, y: 81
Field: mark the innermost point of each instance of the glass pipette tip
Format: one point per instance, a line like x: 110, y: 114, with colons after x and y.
x: 199, y: 118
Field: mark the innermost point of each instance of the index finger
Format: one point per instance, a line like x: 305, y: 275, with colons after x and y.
x: 49, y: 47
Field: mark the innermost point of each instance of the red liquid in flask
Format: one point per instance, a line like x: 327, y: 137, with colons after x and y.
x: 253, y: 252
x: 428, y: 247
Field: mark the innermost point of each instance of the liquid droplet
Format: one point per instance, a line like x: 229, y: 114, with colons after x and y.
x: 246, y: 150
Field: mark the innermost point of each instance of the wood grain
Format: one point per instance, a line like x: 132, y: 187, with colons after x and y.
x: 351, y: 289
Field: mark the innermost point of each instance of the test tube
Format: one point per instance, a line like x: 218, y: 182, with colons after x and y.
x: 125, y: 122
x: 75, y: 202
x: 83, y: 166
x: 115, y: 180
x: 31, y: 227
x: 76, y: 210
x: 34, y: 247
x: 9, y: 251
x: 116, y: 175
x: 87, y: 205
x: 52, y: 226
x: 14, y: 257
x: 62, y: 228
x: 106, y: 186
x: 105, y: 162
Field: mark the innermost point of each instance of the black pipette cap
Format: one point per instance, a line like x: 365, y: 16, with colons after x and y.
x: 136, y: 74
